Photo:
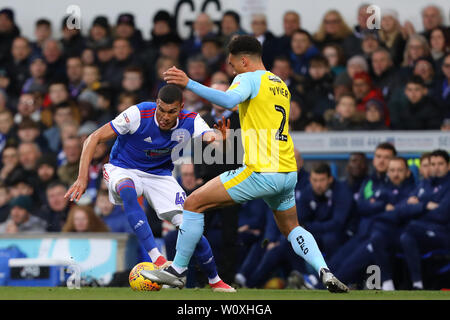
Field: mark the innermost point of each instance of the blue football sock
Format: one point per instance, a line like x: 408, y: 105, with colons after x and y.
x: 204, y: 256
x: 136, y: 216
x: 306, y: 247
x: 189, y: 234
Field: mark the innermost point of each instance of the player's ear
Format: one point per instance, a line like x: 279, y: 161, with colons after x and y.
x: 181, y: 106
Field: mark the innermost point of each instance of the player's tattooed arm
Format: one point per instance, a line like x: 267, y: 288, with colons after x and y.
x: 102, y: 134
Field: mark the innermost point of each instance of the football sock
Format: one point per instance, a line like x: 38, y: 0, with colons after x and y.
x: 189, y: 234
x: 154, y: 254
x: 306, y: 247
x: 418, y: 285
x: 135, y: 215
x: 204, y: 256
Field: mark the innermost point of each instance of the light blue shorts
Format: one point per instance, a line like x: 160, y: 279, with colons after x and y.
x: 277, y: 189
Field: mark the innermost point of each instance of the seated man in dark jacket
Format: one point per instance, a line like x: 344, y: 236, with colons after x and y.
x: 432, y: 229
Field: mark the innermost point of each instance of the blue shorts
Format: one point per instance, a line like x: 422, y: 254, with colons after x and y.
x: 277, y: 189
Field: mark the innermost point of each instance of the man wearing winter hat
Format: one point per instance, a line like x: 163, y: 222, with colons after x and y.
x: 20, y: 219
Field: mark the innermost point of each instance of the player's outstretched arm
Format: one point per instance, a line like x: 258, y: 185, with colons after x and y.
x: 227, y: 100
x: 102, y: 134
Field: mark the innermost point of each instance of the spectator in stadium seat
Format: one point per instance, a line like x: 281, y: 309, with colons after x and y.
x: 364, y: 90
x: 369, y: 43
x: 125, y: 100
x: 439, y: 46
x: 369, y: 202
x: 37, y: 81
x: 68, y: 172
x: 99, y: 33
x: 352, y: 44
x: 113, y: 216
x: 268, y: 41
x: 212, y: 51
x: 282, y: 68
x: 418, y: 111
x: 442, y: 88
x: 391, y: 35
x: 335, y: 56
x: 46, y: 170
x: 291, y: 22
x: 18, y: 66
x: 332, y: 30
x: 29, y: 131
x: 316, y: 124
x: 203, y: 27
x: 29, y: 153
x: 8, y: 132
x: 383, y: 237
x: 298, y: 114
x: 133, y: 82
x: 126, y: 29
x: 431, y: 229
x: 318, y: 86
x: 56, y: 207
x: 374, y: 116
x: 301, y: 51
x: 123, y: 57
x: 10, y: 162
x: 197, y: 69
x: 345, y: 116
x: 230, y: 25
x: 424, y: 68
x: 354, y: 65
x: 384, y: 73
x: 8, y: 31
x: 73, y: 42
x: 4, y: 202
x: 61, y: 113
x: 52, y: 51
x: 74, y: 71
x: 83, y: 219
x: 325, y: 208
x: 20, y: 219
x: 171, y: 47
x: 432, y: 17
x: 416, y: 47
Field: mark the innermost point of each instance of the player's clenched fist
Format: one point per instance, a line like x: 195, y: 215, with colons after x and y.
x: 76, y: 190
x: 176, y: 76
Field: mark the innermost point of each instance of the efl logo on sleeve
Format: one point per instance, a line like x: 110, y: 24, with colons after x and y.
x: 127, y: 120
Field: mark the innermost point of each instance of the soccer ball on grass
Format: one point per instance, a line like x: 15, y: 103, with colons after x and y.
x: 138, y: 282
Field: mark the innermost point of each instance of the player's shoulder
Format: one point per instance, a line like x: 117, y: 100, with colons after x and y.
x: 146, y: 106
x: 186, y: 114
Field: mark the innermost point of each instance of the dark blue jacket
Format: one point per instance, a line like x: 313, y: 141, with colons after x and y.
x: 328, y: 212
x: 433, y: 189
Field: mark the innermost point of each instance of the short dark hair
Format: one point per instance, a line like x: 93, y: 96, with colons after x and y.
x: 43, y: 22
x: 305, y: 32
x: 322, y: 168
x: 440, y: 153
x: 245, y: 44
x: 425, y: 155
x: 319, y: 59
x: 234, y: 15
x: 387, y: 146
x: 405, y: 162
x: 415, y: 79
x: 170, y: 93
x: 56, y: 183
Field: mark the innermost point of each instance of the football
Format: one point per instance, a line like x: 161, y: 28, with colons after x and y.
x: 138, y: 282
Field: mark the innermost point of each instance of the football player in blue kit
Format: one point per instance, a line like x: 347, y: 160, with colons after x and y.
x: 141, y: 163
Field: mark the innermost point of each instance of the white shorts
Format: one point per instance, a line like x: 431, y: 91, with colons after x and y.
x: 163, y: 193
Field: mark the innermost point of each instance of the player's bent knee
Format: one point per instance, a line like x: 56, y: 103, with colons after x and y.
x: 192, y: 203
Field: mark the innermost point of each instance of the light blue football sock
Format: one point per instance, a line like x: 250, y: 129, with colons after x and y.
x: 189, y: 233
x: 305, y: 246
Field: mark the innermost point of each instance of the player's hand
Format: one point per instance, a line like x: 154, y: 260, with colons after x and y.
x: 432, y: 205
x: 223, y: 126
x: 76, y: 190
x: 412, y: 200
x: 176, y: 76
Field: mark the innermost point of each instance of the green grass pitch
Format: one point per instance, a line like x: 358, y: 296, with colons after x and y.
x: 62, y: 293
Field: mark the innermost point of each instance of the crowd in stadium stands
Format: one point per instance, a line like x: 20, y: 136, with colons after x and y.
x: 55, y: 92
